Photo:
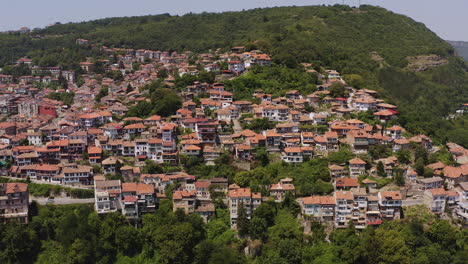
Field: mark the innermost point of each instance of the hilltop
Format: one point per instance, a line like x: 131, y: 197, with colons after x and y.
x: 372, y: 47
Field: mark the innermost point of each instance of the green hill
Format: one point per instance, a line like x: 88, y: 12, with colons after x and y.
x: 337, y: 37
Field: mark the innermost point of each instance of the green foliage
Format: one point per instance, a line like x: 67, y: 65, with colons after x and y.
x: 46, y: 190
x: 381, y: 170
x: 259, y: 124
x: 102, y: 93
x: 66, y: 97
x: 337, y: 90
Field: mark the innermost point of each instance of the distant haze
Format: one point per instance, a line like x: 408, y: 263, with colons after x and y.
x: 446, y: 18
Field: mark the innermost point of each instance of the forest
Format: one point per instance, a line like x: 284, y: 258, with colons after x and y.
x: 77, y: 234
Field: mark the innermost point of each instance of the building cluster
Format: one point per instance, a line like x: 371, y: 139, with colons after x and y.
x: 46, y: 140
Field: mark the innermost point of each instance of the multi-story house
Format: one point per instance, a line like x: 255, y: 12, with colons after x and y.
x: 77, y: 174
x: 292, y: 155
x: 358, y: 139
x: 185, y: 201
x: 431, y: 183
x: 390, y: 204
x: 462, y: 209
x: 344, y: 208
x: 359, y: 211
x: 395, y: 132
x: 202, y: 188
x: 94, y: 155
x: 137, y: 198
x: 107, y: 195
x: 242, y: 196
x: 337, y: 171
x: 435, y: 200
x: 14, y: 202
x: 236, y: 66
x: 279, y: 190
x: 318, y: 208
x: 357, y: 167
x: 133, y: 130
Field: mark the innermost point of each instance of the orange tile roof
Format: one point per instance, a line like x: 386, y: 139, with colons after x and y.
x: 344, y: 195
x: 240, y: 192
x: 323, y: 200
x: 357, y: 161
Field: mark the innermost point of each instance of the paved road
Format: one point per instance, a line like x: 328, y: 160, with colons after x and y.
x: 410, y: 202
x: 350, y: 99
x: 237, y: 126
x: 61, y: 200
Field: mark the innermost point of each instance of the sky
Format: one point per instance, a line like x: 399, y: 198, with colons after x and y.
x: 446, y: 18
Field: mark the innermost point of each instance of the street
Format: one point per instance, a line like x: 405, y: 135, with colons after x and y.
x: 61, y: 200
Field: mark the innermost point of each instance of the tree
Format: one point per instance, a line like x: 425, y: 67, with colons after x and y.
x: 258, y: 228
x: 419, y: 166
x: 151, y: 167
x: 142, y: 110
x: 242, y: 220
x: 337, y: 90
x: 403, y: 156
x: 165, y: 102
x: 381, y: 169
x: 399, y: 178
x: 262, y: 156
x: 102, y: 93
x: 129, y: 88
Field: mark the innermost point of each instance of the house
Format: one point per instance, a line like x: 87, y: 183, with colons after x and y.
x: 344, y: 207
x: 337, y: 171
x: 360, y: 208
x: 94, y: 155
x: 14, y: 205
x: 106, y: 195
x: 130, y: 173
x: 243, y: 152
x: 184, y: 200
x: 242, y: 197
x: 455, y: 175
x: 236, y: 66
x: 279, y: 190
x: 395, y: 132
x: 203, y: 190
x: 385, y: 115
x: 357, y: 167
x: 346, y: 183
x: 431, y: 183
x: 435, y: 199
x: 111, y: 165
x: 462, y: 209
x: 400, y: 143
x: 293, y: 155
x: 34, y: 139
x: 358, y: 139
x: 137, y: 198
x: 318, y: 208
x: 390, y: 204
x: 76, y: 174
x: 206, y: 211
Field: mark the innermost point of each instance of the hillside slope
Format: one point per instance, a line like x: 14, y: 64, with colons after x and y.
x: 337, y: 37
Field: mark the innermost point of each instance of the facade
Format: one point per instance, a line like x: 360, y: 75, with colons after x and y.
x: 14, y: 202
x: 242, y: 197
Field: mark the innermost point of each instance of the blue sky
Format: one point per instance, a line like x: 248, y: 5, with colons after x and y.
x: 446, y: 18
